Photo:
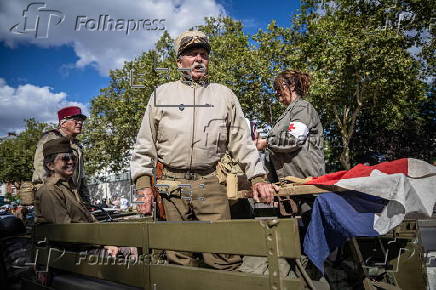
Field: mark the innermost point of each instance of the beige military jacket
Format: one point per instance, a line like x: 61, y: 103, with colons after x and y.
x: 40, y: 174
x: 190, y: 126
x: 56, y: 202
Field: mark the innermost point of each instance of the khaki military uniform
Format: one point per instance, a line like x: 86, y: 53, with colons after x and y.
x: 286, y: 156
x: 56, y: 202
x: 188, y: 139
x: 209, y: 203
x: 40, y: 174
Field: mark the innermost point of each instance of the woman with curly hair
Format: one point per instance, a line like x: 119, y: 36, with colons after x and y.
x: 294, y: 147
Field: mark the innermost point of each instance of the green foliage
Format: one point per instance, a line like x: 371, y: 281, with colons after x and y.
x: 416, y: 137
x: 367, y: 86
x: 356, y: 67
x: 16, y: 154
x: 117, y: 112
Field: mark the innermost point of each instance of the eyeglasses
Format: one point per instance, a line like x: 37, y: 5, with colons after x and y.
x: 75, y: 119
x: 66, y: 157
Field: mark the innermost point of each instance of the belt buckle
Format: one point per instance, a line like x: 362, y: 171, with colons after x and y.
x: 189, y: 175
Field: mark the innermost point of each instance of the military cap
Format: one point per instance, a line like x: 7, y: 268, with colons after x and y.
x: 55, y: 146
x: 68, y: 112
x: 190, y: 39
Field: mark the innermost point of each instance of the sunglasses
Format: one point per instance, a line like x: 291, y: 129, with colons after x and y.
x: 75, y: 119
x: 66, y: 157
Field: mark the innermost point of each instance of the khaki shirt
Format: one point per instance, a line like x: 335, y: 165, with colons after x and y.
x: 57, y: 203
x: 40, y: 174
x: 299, y: 160
x: 187, y: 137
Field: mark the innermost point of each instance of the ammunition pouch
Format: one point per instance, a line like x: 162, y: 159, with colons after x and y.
x: 27, y: 193
x: 230, y: 173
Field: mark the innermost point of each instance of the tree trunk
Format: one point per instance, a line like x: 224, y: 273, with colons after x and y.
x: 346, y: 133
x: 347, y: 124
x: 345, y: 155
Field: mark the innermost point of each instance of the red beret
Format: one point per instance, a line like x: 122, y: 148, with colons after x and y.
x: 71, y: 111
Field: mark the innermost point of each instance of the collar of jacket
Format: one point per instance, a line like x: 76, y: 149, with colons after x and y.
x: 195, y: 84
x: 288, y: 108
x: 293, y: 103
x: 73, y: 140
x: 53, y: 180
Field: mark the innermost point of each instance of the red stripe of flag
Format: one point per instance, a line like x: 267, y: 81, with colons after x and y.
x: 360, y: 170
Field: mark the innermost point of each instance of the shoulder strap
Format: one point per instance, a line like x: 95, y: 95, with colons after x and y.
x: 54, y: 131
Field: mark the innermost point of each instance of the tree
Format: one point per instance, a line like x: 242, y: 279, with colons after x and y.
x: 117, y: 112
x: 16, y: 154
x: 415, y: 138
x: 368, y: 79
x: 359, y: 67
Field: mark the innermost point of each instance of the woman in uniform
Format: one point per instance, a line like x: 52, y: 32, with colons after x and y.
x: 55, y: 201
x: 294, y: 146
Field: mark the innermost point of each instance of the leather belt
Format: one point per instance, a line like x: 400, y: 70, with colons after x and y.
x: 192, y: 174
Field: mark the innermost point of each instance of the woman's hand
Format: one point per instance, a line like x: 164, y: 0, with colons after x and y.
x: 112, y: 250
x: 261, y: 144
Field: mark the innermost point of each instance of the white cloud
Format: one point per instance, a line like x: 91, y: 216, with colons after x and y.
x: 29, y: 101
x: 104, y: 49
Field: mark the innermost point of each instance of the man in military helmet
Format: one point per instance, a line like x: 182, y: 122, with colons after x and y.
x: 187, y: 127
x: 70, y: 126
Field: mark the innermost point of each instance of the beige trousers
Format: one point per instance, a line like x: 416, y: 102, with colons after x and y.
x: 215, y: 206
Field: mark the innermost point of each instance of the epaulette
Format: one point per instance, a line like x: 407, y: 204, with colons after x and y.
x: 55, y: 131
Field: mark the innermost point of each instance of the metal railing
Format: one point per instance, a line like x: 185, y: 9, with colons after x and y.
x: 272, y: 238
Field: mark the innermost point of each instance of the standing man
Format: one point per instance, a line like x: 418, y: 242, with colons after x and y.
x: 187, y: 127
x: 70, y: 125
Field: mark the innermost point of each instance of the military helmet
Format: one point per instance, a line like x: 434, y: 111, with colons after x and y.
x: 190, y: 39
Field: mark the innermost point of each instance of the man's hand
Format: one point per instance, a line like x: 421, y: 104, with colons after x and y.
x: 264, y: 192
x: 146, y: 196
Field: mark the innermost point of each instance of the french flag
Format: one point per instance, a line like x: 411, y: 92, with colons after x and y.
x: 376, y: 199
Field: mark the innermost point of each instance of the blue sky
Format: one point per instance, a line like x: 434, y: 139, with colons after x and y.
x: 38, y: 76
x: 50, y: 67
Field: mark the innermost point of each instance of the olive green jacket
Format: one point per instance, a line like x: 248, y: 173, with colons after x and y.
x: 287, y: 156
x: 57, y: 203
x: 40, y: 174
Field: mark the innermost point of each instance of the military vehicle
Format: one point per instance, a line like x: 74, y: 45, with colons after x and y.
x: 61, y: 258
